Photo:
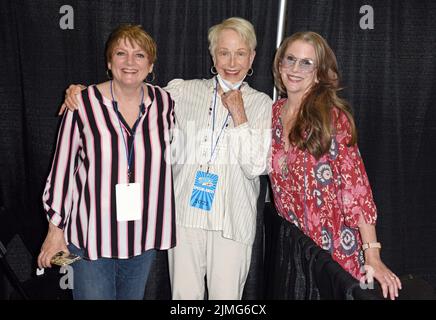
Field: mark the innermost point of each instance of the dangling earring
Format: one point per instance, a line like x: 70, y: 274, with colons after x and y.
x: 109, y: 74
x: 213, y: 70
x: 153, y: 77
x: 250, y: 73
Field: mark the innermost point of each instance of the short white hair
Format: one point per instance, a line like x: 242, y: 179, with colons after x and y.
x: 243, y: 27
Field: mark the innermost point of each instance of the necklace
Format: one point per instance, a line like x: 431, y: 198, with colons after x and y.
x: 288, y: 116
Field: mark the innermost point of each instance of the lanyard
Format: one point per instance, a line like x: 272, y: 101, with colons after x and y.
x: 212, y: 145
x: 141, y: 110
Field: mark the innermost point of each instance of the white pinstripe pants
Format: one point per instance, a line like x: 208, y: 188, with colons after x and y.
x: 200, y: 253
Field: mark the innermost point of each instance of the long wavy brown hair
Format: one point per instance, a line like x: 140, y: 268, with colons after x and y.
x: 313, y: 128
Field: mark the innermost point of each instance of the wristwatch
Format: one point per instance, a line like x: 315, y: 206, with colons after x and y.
x: 371, y: 245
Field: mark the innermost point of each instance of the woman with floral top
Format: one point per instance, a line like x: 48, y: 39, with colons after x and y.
x: 318, y: 178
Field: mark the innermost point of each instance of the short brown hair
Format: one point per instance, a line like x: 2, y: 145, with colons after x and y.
x: 133, y: 33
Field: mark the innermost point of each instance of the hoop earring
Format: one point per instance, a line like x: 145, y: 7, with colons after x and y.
x: 250, y: 73
x: 152, y: 79
x: 213, y: 70
x: 109, y: 74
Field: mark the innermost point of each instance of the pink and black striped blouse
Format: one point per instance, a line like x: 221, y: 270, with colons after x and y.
x: 90, y: 159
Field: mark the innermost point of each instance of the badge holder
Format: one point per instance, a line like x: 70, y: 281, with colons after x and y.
x: 203, y: 191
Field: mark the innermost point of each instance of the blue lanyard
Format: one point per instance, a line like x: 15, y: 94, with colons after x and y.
x: 212, y: 146
x: 141, y: 109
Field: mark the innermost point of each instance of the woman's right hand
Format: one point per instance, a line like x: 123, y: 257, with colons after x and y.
x: 54, y: 242
x: 71, y: 101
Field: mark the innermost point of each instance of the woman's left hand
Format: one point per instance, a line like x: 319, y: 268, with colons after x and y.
x: 389, y: 282
x: 232, y: 100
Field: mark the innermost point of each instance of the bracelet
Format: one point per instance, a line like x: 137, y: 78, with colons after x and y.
x: 371, y: 245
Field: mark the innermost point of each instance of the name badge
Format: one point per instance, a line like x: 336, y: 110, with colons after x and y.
x: 203, y: 191
x: 129, y: 203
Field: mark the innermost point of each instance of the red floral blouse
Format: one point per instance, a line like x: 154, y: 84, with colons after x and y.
x: 327, y: 204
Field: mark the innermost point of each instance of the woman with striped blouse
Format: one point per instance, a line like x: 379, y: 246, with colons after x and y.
x: 109, y: 195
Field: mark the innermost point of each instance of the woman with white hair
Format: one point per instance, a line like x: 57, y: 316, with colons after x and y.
x: 216, y: 233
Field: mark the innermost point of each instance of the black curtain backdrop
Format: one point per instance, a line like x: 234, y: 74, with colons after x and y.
x: 388, y: 77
